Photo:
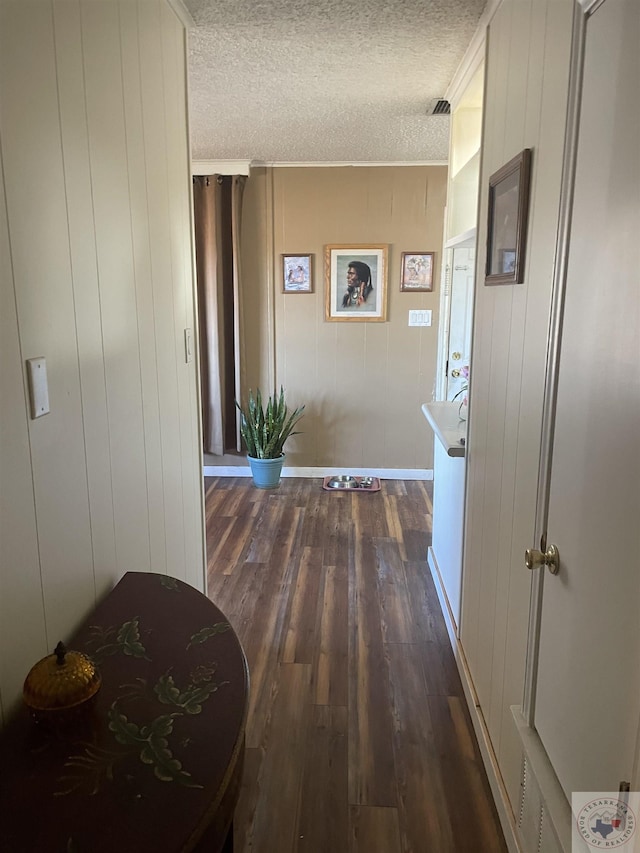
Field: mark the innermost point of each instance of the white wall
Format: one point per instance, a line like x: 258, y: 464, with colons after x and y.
x: 528, y: 50
x: 97, y: 277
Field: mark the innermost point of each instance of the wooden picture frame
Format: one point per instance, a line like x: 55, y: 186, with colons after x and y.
x: 355, y: 282
x: 297, y: 273
x: 507, y: 221
x: 416, y: 272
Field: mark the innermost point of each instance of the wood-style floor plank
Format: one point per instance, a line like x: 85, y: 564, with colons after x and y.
x: 374, y: 828
x: 332, y: 670
x: 423, y: 806
x: 393, y: 596
x: 274, y: 822
x: 358, y: 737
x: 302, y: 637
x: 324, y: 807
x: 371, y: 776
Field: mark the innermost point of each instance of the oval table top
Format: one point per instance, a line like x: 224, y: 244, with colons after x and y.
x: 154, y: 762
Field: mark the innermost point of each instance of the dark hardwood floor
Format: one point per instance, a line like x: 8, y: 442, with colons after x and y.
x: 358, y: 736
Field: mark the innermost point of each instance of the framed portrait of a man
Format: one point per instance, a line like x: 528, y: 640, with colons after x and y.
x: 355, y: 282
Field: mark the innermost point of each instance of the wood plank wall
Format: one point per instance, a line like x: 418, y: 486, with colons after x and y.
x: 97, y: 276
x: 363, y: 383
x: 525, y: 104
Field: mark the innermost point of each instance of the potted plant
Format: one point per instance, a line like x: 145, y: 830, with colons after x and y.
x: 265, y: 430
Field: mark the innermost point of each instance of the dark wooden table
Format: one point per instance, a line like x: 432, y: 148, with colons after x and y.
x: 155, y: 764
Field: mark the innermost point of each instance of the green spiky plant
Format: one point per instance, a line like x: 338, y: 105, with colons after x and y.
x: 265, y: 429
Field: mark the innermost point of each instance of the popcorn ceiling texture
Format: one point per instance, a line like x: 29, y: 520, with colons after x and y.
x: 324, y: 81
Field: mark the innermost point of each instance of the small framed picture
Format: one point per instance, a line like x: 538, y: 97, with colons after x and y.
x: 355, y: 283
x: 416, y: 272
x: 296, y: 274
x: 507, y: 261
x: 507, y: 221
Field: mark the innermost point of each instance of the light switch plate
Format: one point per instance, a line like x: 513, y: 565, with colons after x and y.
x: 419, y: 318
x: 38, y: 387
x: 188, y: 345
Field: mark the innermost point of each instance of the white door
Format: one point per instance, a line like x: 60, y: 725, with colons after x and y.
x: 587, y: 706
x: 460, y: 319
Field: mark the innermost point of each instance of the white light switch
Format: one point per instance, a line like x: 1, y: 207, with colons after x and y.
x: 38, y: 387
x: 419, y: 318
x: 188, y: 345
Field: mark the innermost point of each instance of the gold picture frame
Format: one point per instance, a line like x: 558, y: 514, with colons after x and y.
x: 356, y: 282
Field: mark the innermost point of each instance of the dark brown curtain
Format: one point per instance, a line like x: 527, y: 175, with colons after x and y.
x: 217, y: 217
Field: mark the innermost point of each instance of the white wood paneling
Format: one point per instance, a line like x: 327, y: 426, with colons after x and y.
x: 116, y: 271
x: 84, y: 276
x: 181, y: 219
x: 525, y: 105
x: 544, y: 208
x: 151, y: 68
x: 20, y: 589
x: 38, y: 228
x: 97, y: 277
x: 143, y: 277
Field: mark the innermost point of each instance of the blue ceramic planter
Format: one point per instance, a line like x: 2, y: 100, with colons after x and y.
x: 266, y: 472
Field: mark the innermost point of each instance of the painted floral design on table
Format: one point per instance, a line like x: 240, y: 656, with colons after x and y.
x: 206, y: 633
x: 152, y: 739
x: 105, y: 642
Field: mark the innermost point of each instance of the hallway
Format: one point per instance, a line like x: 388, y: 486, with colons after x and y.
x: 358, y: 736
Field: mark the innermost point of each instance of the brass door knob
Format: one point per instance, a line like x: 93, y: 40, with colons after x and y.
x: 549, y: 558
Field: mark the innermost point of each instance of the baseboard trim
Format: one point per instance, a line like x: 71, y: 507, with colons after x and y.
x: 381, y: 473
x: 503, y: 806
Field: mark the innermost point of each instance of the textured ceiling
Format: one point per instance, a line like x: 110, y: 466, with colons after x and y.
x: 324, y: 80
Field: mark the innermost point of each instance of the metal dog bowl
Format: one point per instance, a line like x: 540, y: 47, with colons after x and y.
x: 366, y: 482
x: 343, y: 481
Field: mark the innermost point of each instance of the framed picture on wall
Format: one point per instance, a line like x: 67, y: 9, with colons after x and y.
x: 297, y: 276
x: 416, y: 271
x: 355, y: 282
x: 507, y: 221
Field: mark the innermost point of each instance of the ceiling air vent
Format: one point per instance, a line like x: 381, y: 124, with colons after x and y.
x: 439, y: 107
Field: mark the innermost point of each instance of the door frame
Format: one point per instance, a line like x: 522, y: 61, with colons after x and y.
x: 583, y: 9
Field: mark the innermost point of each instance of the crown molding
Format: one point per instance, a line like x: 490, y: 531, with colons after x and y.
x: 221, y: 167
x: 473, y: 55
x: 243, y: 167
x: 183, y: 13
x: 345, y: 163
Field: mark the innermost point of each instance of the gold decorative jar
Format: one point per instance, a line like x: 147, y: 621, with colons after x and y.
x: 60, y: 683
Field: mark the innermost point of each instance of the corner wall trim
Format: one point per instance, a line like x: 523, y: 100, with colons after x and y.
x: 381, y: 473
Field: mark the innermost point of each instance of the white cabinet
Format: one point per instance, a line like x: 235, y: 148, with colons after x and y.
x: 445, y: 554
